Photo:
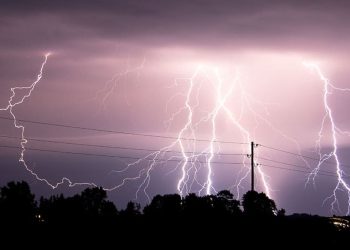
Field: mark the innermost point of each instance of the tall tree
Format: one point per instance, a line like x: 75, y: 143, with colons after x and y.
x: 166, y: 205
x: 258, y: 204
x: 225, y: 204
x: 17, y: 203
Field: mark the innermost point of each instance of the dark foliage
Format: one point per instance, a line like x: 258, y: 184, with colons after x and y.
x: 17, y: 204
x: 203, y: 221
x: 258, y: 204
x: 90, y: 206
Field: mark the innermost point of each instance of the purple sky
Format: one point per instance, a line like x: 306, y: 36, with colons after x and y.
x: 162, y: 43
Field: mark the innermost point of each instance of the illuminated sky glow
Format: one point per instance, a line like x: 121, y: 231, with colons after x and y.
x: 127, y: 66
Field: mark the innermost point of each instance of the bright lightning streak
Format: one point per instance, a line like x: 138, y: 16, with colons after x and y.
x: 10, y: 108
x: 328, y: 116
x: 145, y: 173
x: 189, y: 162
x: 220, y: 105
x: 247, y: 137
x: 186, y: 141
x: 181, y: 134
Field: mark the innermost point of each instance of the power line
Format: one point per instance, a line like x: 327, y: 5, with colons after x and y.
x: 296, y: 170
x: 113, y: 156
x: 288, y: 152
x: 110, y: 147
x: 300, y: 155
x: 298, y: 166
x: 290, y: 169
x: 120, y: 132
x: 280, y: 162
x: 143, y: 149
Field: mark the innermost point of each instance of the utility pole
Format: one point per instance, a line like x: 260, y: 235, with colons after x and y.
x: 252, y: 145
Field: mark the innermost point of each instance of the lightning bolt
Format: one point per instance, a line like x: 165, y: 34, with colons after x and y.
x: 195, y: 157
x: 186, y: 141
x: 341, y: 185
x: 180, y: 142
x: 116, y: 81
x: 12, y: 103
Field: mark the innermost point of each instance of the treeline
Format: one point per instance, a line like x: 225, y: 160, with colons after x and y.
x: 18, y: 205
x: 171, y: 217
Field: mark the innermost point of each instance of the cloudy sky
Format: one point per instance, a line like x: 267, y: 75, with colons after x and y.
x: 129, y: 66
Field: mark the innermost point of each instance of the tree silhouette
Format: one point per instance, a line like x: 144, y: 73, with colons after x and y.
x: 281, y: 212
x: 166, y: 205
x: 196, y: 206
x: 226, y: 205
x: 222, y: 204
x: 17, y: 203
x: 92, y: 201
x: 91, y: 214
x: 258, y: 204
x: 193, y: 205
x: 54, y: 209
x: 89, y: 206
x: 132, y: 210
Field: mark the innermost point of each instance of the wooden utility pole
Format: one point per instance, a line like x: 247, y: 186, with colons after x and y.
x: 252, y: 145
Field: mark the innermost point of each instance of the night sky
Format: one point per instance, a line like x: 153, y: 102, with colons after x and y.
x: 127, y: 66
